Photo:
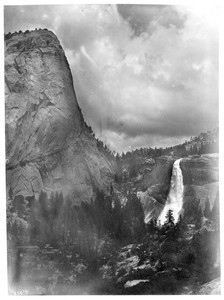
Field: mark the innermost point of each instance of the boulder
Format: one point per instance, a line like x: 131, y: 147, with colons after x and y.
x: 137, y: 286
x: 211, y: 288
x: 181, y: 273
x: 143, y: 271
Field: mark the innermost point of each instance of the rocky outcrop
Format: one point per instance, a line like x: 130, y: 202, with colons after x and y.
x: 160, y: 173
x: 211, y: 288
x: 166, y: 264
x: 154, y: 187
x: 200, y: 170
x: 48, y: 145
x: 136, y: 287
x: 201, y: 178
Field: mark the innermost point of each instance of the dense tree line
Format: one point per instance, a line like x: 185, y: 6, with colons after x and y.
x: 94, y: 231
x: 55, y: 220
x: 204, y: 143
x: 127, y: 165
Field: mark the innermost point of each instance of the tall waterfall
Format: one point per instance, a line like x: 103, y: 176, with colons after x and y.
x: 175, y: 197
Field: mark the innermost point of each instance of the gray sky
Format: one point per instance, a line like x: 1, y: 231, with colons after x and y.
x: 148, y: 74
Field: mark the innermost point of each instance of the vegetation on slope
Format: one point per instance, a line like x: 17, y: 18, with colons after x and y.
x: 106, y: 248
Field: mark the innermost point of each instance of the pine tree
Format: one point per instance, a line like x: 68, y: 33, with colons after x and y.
x: 152, y: 226
x: 169, y: 228
x: 198, y: 219
x: 117, y: 218
x: 43, y: 205
x: 134, y: 225
x: 207, y: 209
x: 182, y: 224
x: 169, y: 218
x: 215, y: 213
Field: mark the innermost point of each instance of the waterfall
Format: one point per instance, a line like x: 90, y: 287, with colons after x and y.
x: 175, y: 198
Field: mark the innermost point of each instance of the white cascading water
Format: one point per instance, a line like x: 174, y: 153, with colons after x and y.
x: 175, y: 198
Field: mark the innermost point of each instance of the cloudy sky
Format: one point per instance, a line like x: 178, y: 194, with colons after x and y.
x: 146, y: 75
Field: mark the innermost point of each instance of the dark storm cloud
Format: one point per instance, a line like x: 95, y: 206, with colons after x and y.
x: 164, y: 125
x: 144, y: 75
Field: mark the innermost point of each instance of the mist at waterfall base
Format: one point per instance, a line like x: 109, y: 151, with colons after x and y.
x: 175, y: 197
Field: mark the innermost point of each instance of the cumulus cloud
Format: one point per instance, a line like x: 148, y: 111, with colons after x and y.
x: 144, y: 75
x: 144, y: 17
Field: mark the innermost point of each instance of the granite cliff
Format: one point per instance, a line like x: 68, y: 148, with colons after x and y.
x: 200, y: 179
x: 48, y: 145
x: 103, y: 246
x: 154, y: 187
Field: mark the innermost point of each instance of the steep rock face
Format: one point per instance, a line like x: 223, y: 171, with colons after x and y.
x: 201, y: 178
x: 48, y: 145
x: 160, y: 173
x: 155, y: 185
x: 199, y: 170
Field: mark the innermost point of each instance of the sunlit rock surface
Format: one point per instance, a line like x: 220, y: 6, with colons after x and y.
x: 48, y: 145
x: 211, y: 288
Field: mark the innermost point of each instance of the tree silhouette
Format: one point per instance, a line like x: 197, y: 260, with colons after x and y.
x: 198, y: 218
x: 152, y: 226
x: 169, y: 218
x: 207, y: 209
x: 215, y: 213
